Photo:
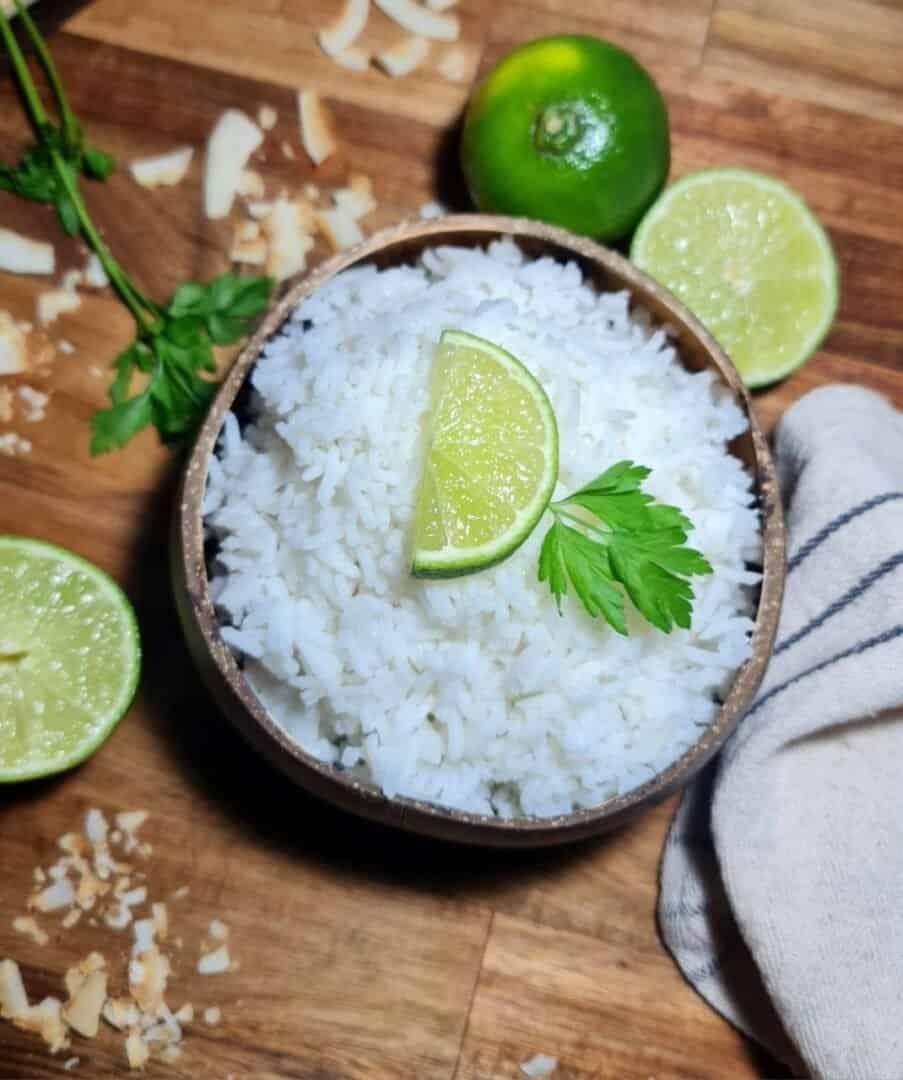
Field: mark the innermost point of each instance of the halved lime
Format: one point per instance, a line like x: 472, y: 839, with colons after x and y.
x: 747, y: 256
x: 70, y: 657
x: 491, y: 462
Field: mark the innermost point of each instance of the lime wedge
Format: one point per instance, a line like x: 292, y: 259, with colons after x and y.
x: 747, y: 256
x: 70, y: 657
x: 492, y: 459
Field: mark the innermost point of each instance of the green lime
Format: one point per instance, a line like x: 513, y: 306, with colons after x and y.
x: 70, y: 657
x: 570, y: 130
x: 747, y: 256
x: 491, y: 462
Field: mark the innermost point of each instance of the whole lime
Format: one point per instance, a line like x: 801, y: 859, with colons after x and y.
x: 570, y: 130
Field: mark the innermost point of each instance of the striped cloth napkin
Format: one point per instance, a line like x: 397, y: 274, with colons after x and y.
x: 782, y: 878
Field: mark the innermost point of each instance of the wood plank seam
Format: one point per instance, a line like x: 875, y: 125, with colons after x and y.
x: 473, y: 996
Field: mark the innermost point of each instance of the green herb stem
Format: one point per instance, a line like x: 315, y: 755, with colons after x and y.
x: 68, y: 122
x: 130, y: 296
x: 33, y: 103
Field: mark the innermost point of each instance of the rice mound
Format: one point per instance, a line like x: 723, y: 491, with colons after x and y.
x: 473, y: 693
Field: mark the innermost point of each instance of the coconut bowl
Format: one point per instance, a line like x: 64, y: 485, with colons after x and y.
x: 222, y: 672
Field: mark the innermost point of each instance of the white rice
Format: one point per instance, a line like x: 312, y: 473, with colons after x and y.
x: 473, y: 693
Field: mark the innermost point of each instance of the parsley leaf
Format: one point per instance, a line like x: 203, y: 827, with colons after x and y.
x: 173, y: 345
x: 174, y: 353
x: 610, y: 533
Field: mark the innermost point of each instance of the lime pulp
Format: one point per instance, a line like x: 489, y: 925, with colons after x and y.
x: 70, y: 658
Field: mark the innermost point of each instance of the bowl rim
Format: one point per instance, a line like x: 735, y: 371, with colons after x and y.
x: 234, y: 693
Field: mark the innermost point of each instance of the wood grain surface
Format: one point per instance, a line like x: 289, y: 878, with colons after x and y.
x: 365, y: 954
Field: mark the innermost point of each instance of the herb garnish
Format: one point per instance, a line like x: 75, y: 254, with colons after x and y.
x: 611, y: 534
x: 174, y: 342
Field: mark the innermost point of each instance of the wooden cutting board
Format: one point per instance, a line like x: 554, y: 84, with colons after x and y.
x: 365, y: 954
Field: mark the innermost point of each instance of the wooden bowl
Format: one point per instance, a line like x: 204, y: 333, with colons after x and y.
x: 698, y: 350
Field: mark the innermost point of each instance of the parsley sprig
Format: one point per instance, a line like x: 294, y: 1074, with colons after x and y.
x: 173, y: 343
x: 610, y: 537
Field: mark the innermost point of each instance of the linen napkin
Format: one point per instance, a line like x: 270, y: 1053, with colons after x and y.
x: 782, y: 878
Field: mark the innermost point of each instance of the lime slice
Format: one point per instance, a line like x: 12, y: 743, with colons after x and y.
x: 747, y: 256
x: 69, y: 658
x: 492, y: 460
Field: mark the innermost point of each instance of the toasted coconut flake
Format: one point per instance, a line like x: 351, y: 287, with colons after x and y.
x: 13, y: 346
x: 213, y: 1015
x: 144, y: 931
x: 218, y: 930
x: 232, y: 141
x: 288, y: 228
x: 346, y: 29
x: 251, y: 185
x: 145, y: 850
x: 539, y: 1065
x: 121, y: 1013
x: 6, y: 405
x: 13, y: 445
x: 180, y: 893
x: 455, y: 64
x: 118, y: 918
x: 136, y: 1051
x: 340, y: 229
x: 21, y: 255
x: 185, y: 1014
x: 45, y: 1020
x: 77, y: 974
x: 73, y: 844
x: 353, y: 59
x: 38, y: 875
x: 355, y: 203
x: 89, y: 889
x: 148, y: 974
x: 25, y: 924
x: 259, y: 210
x: 96, y: 827
x: 215, y: 962
x: 317, y: 136
x: 122, y: 886
x: 440, y: 5
x: 130, y: 821
x: 267, y: 117
x: 71, y: 280
x: 56, y: 302
x: 171, y: 1053
x: 58, y: 895
x: 95, y: 277
x: 82, y: 1011
x: 404, y: 56
x: 419, y: 20
x: 71, y: 918
x: 34, y: 403
x: 311, y: 192
x: 70, y: 1063
x: 287, y: 149
x: 134, y: 896
x: 160, y: 916
x: 162, y: 170
x: 65, y: 346
x: 13, y: 999
x: 248, y: 246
